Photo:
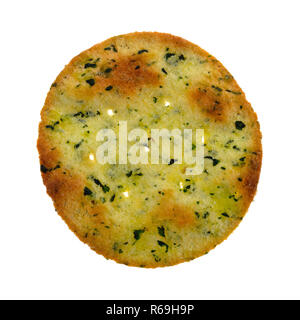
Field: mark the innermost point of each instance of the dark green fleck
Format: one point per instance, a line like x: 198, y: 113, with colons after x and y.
x: 161, y: 231
x: 162, y: 244
x: 215, y: 161
x: 137, y: 233
x: 234, y: 92
x: 234, y: 198
x: 172, y: 161
x: 217, y: 88
x: 169, y: 55
x: 129, y: 174
x: 77, y: 145
x: 139, y: 174
x: 186, y: 188
x: 90, y: 65
x: 87, y: 191
x: 205, y: 215
x: 44, y: 169
x: 142, y: 51
x: 224, y: 214
x: 79, y: 114
x: 240, y: 125
x: 91, y: 82
x: 114, y: 48
x: 105, y: 188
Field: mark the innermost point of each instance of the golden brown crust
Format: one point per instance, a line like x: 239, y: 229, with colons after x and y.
x: 251, y: 176
x: 169, y: 210
x: 206, y: 101
x: 127, y: 75
x: 49, y: 155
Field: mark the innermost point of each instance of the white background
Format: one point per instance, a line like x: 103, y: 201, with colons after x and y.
x: 258, y: 42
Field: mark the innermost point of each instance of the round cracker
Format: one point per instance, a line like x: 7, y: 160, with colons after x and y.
x: 149, y: 215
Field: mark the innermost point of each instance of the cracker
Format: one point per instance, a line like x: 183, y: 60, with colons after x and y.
x: 149, y: 215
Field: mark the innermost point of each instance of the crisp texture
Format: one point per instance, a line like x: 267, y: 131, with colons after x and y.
x: 149, y: 215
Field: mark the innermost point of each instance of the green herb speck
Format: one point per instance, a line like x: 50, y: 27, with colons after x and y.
x: 87, y: 191
x: 90, y: 65
x: 240, y: 125
x: 161, y: 231
x: 91, y: 82
x: 142, y: 51
x: 108, y: 88
x: 224, y: 214
x: 162, y: 244
x: 137, y: 233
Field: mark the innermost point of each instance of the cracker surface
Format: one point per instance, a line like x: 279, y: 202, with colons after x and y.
x: 149, y: 215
